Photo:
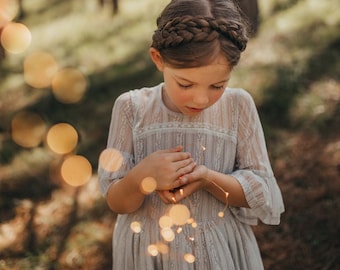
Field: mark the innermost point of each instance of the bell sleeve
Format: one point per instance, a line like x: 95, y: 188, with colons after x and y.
x: 253, y: 169
x: 119, y: 145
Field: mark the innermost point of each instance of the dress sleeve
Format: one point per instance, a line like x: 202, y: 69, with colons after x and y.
x: 119, y: 144
x: 253, y: 169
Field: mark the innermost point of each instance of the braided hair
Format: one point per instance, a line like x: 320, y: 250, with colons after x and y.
x: 193, y: 32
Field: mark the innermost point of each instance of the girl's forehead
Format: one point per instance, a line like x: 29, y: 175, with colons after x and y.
x: 217, y: 63
x: 211, y: 74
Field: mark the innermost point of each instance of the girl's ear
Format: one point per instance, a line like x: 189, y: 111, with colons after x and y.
x: 157, y: 58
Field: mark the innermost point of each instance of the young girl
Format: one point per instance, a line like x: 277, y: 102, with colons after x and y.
x: 199, y: 143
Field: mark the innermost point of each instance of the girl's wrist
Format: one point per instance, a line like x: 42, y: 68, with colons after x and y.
x: 135, y: 179
x: 208, y: 180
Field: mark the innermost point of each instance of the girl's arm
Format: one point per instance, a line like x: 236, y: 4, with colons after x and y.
x: 164, y: 166
x: 252, y: 187
x: 124, y: 195
x: 224, y: 187
x: 122, y: 187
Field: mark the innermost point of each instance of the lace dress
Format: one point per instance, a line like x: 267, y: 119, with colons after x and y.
x: 227, y: 137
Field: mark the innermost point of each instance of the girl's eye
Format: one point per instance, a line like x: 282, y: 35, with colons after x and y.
x: 220, y: 87
x: 184, y: 86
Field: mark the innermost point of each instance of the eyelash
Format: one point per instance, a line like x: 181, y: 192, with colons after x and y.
x: 213, y: 87
x: 218, y: 87
x: 184, y: 86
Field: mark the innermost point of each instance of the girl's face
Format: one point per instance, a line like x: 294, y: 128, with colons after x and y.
x: 192, y: 90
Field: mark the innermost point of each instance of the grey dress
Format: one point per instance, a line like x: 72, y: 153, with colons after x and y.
x: 227, y: 137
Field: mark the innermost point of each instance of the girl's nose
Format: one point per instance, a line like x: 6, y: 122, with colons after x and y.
x: 201, y: 99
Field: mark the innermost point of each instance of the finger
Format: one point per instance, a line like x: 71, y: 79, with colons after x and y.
x: 186, y: 191
x: 180, y: 194
x: 185, y: 167
x: 178, y: 183
x: 163, y: 197
x: 178, y: 148
x: 170, y: 196
x: 180, y: 156
x: 184, y: 163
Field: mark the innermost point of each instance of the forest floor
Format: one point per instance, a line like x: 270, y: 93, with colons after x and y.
x: 291, y: 67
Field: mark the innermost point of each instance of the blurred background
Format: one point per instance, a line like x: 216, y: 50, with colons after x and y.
x: 63, y: 63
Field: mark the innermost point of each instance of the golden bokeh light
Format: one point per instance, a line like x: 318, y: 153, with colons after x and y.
x: 165, y: 221
x: 148, y: 185
x: 179, y: 213
x: 153, y: 250
x: 39, y: 69
x: 62, y: 138
x: 76, y: 170
x: 221, y: 214
x: 136, y: 227
x: 15, y: 37
x: 28, y: 129
x: 8, y: 10
x: 110, y: 159
x: 69, y: 85
x: 168, y: 234
x: 162, y: 248
x: 189, y: 258
x: 190, y: 221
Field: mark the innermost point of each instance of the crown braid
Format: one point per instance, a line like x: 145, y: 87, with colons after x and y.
x: 186, y: 29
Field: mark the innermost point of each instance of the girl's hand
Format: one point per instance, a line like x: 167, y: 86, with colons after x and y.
x: 195, y: 181
x: 166, y: 167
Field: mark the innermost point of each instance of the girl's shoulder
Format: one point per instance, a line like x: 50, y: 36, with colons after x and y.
x: 139, y: 96
x: 237, y: 93
x: 238, y: 96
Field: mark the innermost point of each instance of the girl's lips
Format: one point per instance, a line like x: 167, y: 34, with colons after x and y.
x: 195, y: 110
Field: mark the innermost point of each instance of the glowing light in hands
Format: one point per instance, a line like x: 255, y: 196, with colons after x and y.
x: 177, y: 216
x: 202, y: 147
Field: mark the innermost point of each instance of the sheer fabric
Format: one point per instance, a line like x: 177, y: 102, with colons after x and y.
x: 227, y: 137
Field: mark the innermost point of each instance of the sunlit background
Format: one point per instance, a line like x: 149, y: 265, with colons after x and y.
x: 63, y: 63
